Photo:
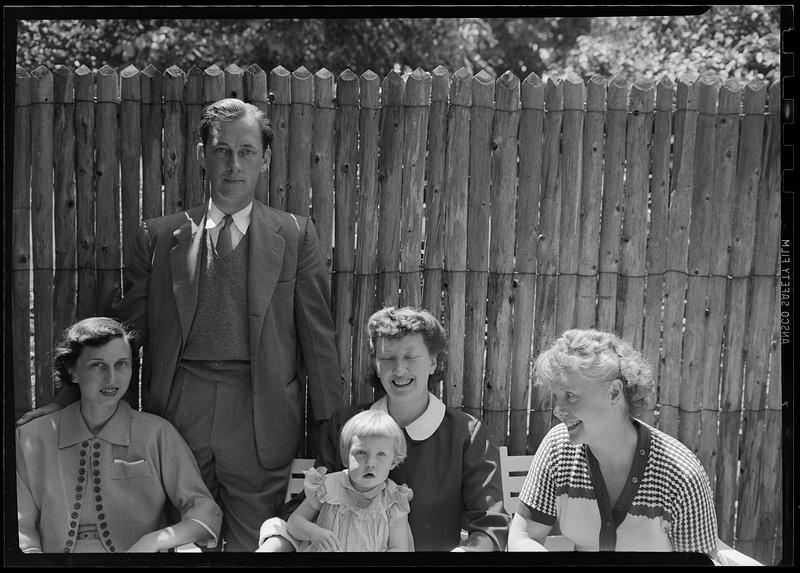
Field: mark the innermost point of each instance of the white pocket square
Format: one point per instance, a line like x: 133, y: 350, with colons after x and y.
x: 127, y: 463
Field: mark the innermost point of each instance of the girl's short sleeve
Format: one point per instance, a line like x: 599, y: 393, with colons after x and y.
x: 314, y: 486
x: 399, y: 497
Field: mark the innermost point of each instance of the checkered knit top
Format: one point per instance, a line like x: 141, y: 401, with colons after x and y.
x: 666, y: 504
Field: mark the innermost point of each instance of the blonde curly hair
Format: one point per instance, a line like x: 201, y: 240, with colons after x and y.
x: 599, y: 356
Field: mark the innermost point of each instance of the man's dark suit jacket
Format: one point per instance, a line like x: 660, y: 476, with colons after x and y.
x: 288, y: 303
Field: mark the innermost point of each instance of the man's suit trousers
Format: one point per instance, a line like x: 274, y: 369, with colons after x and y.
x: 213, y: 411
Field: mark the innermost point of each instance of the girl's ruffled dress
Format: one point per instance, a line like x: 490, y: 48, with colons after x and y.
x: 360, y: 520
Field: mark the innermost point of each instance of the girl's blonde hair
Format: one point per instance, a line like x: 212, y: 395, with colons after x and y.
x: 372, y: 424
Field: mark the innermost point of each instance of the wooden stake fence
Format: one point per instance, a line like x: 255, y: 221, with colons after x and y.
x: 513, y: 210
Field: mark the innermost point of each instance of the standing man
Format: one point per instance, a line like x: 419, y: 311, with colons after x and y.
x: 224, y: 295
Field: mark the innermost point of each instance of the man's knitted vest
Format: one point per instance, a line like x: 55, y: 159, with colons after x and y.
x: 220, y: 327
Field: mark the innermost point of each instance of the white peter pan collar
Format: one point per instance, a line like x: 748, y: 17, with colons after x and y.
x: 423, y: 427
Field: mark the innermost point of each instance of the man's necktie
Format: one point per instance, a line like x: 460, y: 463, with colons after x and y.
x: 224, y: 244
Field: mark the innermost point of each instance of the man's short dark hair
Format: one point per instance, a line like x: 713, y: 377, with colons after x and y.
x: 231, y: 109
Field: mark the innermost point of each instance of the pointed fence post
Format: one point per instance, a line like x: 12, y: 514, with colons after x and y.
x: 42, y: 229
x: 390, y: 173
x: 478, y: 221
x: 345, y: 212
x: 456, y: 195
x: 531, y: 129
x: 64, y: 203
x: 234, y: 82
x: 501, y: 286
x: 591, y: 203
x: 280, y: 95
x: 570, y: 175
x: 740, y: 263
x: 547, y: 254
x: 298, y: 187
x: 107, y: 199
x: 321, y: 164
x: 173, y: 153
x: 415, y: 134
x: 433, y: 256
x: 364, y: 291
x: 193, y: 107
x: 657, y: 237
x: 675, y: 277
x: 21, y: 245
x: 613, y: 184
x: 84, y: 191
x: 702, y: 211
x: 635, y: 194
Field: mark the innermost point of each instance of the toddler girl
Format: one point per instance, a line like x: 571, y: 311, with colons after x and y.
x: 359, y: 508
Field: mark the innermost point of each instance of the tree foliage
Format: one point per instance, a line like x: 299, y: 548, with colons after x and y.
x: 379, y: 44
x: 525, y: 45
x: 735, y: 41
x: 741, y: 42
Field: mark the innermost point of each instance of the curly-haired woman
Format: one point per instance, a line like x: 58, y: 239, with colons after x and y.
x: 610, y: 481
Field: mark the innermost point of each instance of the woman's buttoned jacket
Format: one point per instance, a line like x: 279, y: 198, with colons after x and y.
x: 123, y: 480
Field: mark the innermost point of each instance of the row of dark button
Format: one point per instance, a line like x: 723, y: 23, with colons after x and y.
x: 79, y: 495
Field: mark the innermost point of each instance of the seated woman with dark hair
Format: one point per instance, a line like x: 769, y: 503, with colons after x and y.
x: 610, y: 481
x: 451, y: 466
x: 98, y: 476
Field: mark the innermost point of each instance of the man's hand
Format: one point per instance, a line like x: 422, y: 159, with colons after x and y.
x: 33, y: 414
x: 324, y: 539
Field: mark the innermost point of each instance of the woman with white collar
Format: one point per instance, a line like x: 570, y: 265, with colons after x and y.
x: 452, y: 467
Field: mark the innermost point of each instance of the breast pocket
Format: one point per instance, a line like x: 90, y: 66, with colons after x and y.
x: 125, y: 469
